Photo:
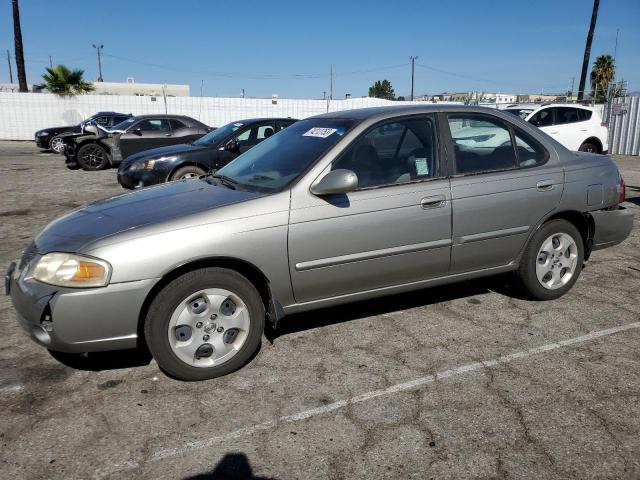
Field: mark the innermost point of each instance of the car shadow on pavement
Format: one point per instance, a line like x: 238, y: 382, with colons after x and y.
x: 232, y: 466
x: 501, y: 284
x: 98, y: 361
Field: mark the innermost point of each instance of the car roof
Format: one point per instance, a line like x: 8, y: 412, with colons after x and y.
x: 541, y: 105
x: 111, y: 114
x: 397, y: 110
x: 248, y: 121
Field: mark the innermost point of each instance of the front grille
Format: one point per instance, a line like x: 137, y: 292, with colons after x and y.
x: 27, y: 255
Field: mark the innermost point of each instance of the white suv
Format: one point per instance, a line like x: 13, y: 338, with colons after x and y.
x: 574, y: 126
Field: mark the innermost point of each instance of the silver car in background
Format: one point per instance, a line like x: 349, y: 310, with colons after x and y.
x: 336, y: 208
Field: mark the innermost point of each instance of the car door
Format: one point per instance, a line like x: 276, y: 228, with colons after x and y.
x: 145, y: 134
x: 394, y: 229
x: 181, y: 133
x: 503, y: 185
x: 568, y: 127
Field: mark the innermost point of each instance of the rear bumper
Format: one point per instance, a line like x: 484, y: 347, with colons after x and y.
x: 78, y: 320
x: 611, y: 226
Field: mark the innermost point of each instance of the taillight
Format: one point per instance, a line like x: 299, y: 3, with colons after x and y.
x: 604, y: 124
x: 623, y: 191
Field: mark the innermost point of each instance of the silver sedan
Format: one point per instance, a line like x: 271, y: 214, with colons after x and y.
x: 336, y: 208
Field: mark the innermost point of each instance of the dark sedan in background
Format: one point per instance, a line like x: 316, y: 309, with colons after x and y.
x: 101, y: 147
x: 49, y: 138
x: 208, y: 153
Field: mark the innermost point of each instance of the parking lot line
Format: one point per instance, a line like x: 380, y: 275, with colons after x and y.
x: 409, y: 385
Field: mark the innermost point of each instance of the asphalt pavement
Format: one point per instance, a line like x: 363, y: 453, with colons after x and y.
x: 462, y: 381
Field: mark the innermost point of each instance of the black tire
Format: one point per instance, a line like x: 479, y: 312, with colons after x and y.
x: 92, y: 157
x: 56, y: 145
x: 589, y: 147
x: 167, y: 300
x: 185, y: 172
x: 526, y: 273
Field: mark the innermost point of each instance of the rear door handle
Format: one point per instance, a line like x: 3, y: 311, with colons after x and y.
x: 544, y: 185
x: 436, y: 201
x: 167, y: 134
x: 553, y: 133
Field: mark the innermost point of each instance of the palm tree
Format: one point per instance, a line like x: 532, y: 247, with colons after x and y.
x: 602, y: 73
x: 17, y: 36
x: 65, y: 82
x: 587, y: 50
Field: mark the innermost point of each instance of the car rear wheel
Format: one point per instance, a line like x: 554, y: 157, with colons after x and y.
x: 589, y: 147
x: 552, y: 261
x: 205, y: 324
x: 92, y: 157
x: 56, y: 145
x: 189, y: 171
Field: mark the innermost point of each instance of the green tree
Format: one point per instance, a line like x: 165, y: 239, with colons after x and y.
x: 602, y: 74
x: 382, y: 89
x: 65, y: 82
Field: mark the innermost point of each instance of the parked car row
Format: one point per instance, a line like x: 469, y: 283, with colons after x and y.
x: 333, y: 209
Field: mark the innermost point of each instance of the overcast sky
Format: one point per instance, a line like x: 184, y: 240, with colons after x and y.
x: 286, y: 47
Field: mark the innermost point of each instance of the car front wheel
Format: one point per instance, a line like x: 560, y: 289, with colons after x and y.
x: 552, y: 261
x: 92, y: 157
x: 189, y: 171
x: 56, y: 145
x: 205, y: 324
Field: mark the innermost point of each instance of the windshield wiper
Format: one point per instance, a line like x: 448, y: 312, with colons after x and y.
x: 226, y: 181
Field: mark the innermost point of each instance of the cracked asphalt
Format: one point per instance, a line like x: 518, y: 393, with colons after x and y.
x: 381, y: 389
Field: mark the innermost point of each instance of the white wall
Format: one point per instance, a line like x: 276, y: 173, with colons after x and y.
x: 21, y: 114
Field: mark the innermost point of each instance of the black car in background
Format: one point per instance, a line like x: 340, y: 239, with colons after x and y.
x: 49, y: 138
x: 208, y: 153
x: 97, y: 147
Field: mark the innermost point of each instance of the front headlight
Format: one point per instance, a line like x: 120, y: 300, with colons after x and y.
x: 69, y: 270
x: 139, y: 166
x: 42, y: 134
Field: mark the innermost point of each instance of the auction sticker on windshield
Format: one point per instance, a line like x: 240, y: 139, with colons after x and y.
x: 319, y: 132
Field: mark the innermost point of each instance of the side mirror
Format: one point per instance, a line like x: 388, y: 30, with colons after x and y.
x: 336, y: 181
x: 232, y: 146
x: 137, y: 131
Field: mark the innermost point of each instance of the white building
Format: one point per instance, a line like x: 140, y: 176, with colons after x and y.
x: 130, y: 87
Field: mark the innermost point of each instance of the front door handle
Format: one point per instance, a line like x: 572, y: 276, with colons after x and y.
x: 553, y: 133
x: 544, y: 185
x: 167, y: 134
x: 436, y: 201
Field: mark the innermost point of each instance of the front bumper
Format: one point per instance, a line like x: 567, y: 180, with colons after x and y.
x: 140, y: 178
x: 78, y: 320
x: 42, y: 141
x: 612, y: 226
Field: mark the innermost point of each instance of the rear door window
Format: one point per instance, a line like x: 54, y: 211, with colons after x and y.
x: 176, y: 124
x: 481, y: 143
x: 566, y: 115
x: 584, y: 115
x: 154, y: 125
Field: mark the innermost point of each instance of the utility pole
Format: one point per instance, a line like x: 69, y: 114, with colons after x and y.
x: 413, y: 71
x: 9, y: 62
x: 98, y: 48
x: 330, y: 82
x: 50, y: 62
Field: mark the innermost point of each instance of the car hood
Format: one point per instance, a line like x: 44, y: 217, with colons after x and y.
x: 159, y: 152
x: 54, y: 130
x: 78, y: 229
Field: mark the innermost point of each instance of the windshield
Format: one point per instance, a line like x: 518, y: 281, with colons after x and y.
x: 520, y: 112
x: 279, y: 160
x: 123, y: 125
x: 219, y: 134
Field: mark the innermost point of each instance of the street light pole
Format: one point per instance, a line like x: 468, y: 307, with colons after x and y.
x: 413, y: 71
x: 98, y: 48
x: 9, y: 62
